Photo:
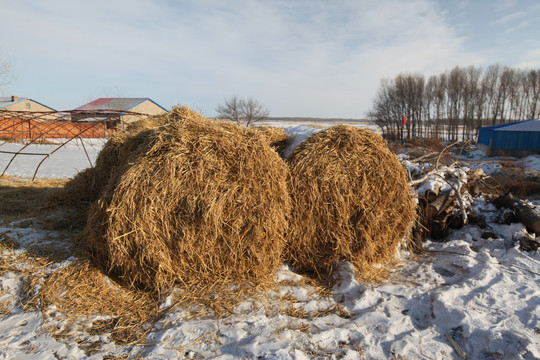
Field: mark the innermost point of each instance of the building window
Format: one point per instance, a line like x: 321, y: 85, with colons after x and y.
x: 28, y: 105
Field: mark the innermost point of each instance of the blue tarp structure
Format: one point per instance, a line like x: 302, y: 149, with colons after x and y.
x: 523, y: 135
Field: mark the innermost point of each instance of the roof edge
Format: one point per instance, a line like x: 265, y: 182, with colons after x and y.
x: 24, y: 99
x: 18, y: 101
x: 42, y: 104
x: 144, y: 101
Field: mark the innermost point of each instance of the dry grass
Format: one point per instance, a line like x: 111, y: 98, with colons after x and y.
x: 229, y: 196
x: 77, y: 290
x: 81, y: 290
x: 116, y: 156
x: 351, y: 201
x: 421, y: 145
x: 277, y: 138
x: 206, y: 204
x: 24, y: 264
x: 22, y: 198
x: 8, y: 260
x: 289, y: 309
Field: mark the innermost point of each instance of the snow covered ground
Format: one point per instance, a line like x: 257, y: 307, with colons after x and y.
x: 320, y: 123
x: 63, y: 163
x: 468, y: 294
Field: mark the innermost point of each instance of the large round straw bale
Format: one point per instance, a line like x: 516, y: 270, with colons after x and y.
x: 351, y: 201
x: 207, y: 203
x: 88, y: 185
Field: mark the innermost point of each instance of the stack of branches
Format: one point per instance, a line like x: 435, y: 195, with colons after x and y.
x: 444, y: 195
x: 351, y: 201
x: 445, y: 192
x: 522, y: 211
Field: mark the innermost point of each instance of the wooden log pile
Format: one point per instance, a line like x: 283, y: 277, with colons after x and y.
x: 523, y: 212
x: 444, y: 196
x: 444, y: 202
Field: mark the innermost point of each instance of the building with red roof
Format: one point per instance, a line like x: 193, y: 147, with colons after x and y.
x: 117, y: 110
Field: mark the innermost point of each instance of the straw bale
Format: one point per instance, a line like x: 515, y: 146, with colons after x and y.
x: 277, y: 138
x: 207, y: 203
x: 87, y: 186
x: 351, y: 201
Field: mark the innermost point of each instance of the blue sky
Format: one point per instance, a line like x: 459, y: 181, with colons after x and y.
x: 299, y: 58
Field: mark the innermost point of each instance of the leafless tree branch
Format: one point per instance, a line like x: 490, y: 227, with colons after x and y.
x: 243, y: 112
x: 6, y: 76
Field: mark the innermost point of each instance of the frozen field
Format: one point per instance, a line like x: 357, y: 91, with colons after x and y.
x: 64, y: 163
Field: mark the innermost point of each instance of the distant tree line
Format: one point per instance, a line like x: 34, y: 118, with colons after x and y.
x: 455, y: 104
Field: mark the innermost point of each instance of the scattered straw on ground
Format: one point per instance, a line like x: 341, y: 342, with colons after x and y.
x: 19, y: 262
x: 81, y: 290
x: 22, y: 198
x: 206, y: 204
x: 351, y: 201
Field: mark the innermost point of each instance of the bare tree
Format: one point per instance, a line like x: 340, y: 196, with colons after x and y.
x: 470, y: 96
x: 492, y: 76
x: 5, y: 71
x: 455, y: 106
x: 440, y: 103
x: 253, y: 111
x: 532, y: 86
x: 387, y: 110
x: 230, y: 110
x: 243, y: 112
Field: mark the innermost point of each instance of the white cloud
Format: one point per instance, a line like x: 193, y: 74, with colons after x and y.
x: 302, y: 58
x: 510, y: 18
x: 531, y: 59
x: 504, y: 5
x: 521, y: 25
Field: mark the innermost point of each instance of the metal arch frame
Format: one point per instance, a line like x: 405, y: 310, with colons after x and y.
x: 51, y: 129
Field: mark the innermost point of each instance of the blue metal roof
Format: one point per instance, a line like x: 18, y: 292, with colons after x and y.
x: 529, y: 125
x: 523, y: 135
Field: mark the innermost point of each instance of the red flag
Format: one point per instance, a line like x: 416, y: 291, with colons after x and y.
x: 404, y: 120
